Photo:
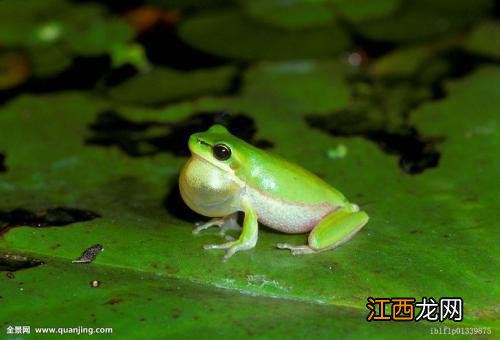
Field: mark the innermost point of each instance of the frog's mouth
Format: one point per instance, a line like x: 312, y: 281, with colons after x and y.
x: 208, y: 160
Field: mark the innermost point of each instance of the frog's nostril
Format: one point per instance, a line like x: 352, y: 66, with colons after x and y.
x: 202, y: 142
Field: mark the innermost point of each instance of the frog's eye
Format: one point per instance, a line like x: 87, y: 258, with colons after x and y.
x: 222, y: 152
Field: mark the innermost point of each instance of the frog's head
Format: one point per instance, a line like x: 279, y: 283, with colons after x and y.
x: 219, y: 147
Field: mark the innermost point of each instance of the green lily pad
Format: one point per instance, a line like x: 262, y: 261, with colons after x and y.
x: 231, y: 33
x: 485, y: 39
x: 132, y: 54
x: 359, y: 10
x: 83, y: 27
x: 96, y: 39
x: 420, y: 241
x: 26, y: 24
x: 47, y: 61
x: 161, y: 84
x: 301, y: 86
x: 292, y: 14
x: 59, y: 30
x: 424, y: 19
x: 402, y: 62
x: 299, y: 14
x: 157, y: 306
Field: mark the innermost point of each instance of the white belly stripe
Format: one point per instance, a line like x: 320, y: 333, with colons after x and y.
x: 288, y: 217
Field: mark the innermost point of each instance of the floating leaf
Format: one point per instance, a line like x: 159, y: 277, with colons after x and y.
x: 88, y: 32
x: 78, y: 29
x: 149, y: 305
x: 358, y: 10
x: 48, y: 61
x: 49, y: 32
x: 161, y: 84
x: 424, y: 19
x: 132, y: 54
x: 231, y: 33
x: 151, y: 253
x: 485, y: 39
x: 401, y: 62
x: 302, y: 86
x: 298, y: 14
x: 27, y: 24
x: 407, y: 60
x: 79, y: 168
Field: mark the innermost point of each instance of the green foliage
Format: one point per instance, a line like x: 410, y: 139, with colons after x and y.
x: 55, y: 31
x: 291, y: 14
x: 359, y: 10
x: 425, y: 19
x: 420, y: 248
x: 485, y: 39
x: 299, y: 14
x: 161, y: 85
x: 431, y: 234
x: 221, y: 33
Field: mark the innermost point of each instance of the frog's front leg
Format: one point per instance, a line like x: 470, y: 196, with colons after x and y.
x: 248, y: 236
x: 332, y: 231
x: 224, y: 223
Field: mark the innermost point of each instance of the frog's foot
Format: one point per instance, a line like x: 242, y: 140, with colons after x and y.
x: 233, y: 246
x: 333, y: 230
x: 248, y: 236
x: 296, y: 250
x: 225, y: 223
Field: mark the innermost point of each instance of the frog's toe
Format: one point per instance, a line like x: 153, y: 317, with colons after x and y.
x: 237, y: 246
x: 283, y: 245
x: 218, y: 246
x: 232, y: 247
x: 231, y: 251
x: 296, y: 250
x: 224, y: 223
x: 202, y: 226
x: 302, y: 250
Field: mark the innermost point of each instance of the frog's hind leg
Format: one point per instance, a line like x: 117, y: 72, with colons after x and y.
x: 229, y: 222
x: 335, y: 229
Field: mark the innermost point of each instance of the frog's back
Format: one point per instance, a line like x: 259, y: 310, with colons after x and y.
x: 283, y: 180
x: 287, y: 197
